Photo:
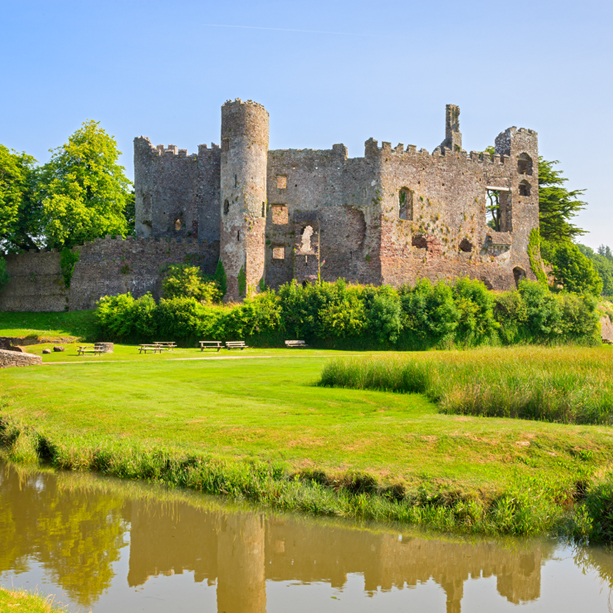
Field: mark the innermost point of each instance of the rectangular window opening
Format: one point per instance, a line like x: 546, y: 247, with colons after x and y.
x: 280, y: 214
x: 278, y: 253
x: 405, y: 204
x: 281, y: 182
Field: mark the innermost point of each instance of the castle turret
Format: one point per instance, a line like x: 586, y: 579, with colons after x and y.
x: 244, y: 158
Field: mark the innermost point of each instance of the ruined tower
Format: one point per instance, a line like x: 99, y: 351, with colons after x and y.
x: 244, y: 159
x: 453, y: 136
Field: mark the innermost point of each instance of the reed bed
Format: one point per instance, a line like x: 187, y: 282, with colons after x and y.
x: 569, y: 385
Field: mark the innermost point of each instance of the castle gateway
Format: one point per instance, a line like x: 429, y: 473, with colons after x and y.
x: 393, y: 216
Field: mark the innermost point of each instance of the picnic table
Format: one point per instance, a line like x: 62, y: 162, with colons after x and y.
x: 166, y: 345
x: 210, y: 345
x: 93, y: 349
x: 296, y: 344
x: 236, y: 345
x: 153, y: 348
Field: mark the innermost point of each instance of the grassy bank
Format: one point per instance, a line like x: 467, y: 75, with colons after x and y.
x: 18, y: 600
x: 566, y: 385
x: 261, y: 429
x: 40, y: 326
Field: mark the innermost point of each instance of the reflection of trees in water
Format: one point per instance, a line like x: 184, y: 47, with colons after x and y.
x: 75, y: 535
x: 599, y: 560
x: 74, y: 524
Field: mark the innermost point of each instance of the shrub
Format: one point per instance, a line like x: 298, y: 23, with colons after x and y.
x: 114, y: 316
x: 180, y: 319
x: 186, y: 281
x: 430, y: 312
x: 476, y: 323
x: 511, y: 313
x: 385, y: 317
x: 543, y: 314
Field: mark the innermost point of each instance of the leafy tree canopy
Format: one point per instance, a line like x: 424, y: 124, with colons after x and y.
x: 572, y: 270
x: 18, y: 227
x: 557, y: 205
x: 83, y: 190
x: 602, y: 260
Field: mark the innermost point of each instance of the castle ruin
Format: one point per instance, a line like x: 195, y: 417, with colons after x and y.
x: 394, y: 216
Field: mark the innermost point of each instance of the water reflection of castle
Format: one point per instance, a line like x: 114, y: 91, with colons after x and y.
x: 76, y: 534
x: 241, y: 552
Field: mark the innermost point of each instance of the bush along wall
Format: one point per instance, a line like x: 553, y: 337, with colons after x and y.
x: 338, y: 315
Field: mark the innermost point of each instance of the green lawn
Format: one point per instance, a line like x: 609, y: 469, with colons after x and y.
x: 73, y: 324
x: 265, y: 405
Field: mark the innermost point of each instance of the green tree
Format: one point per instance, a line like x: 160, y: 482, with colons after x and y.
x: 572, y: 270
x: 602, y: 260
x: 83, y: 190
x: 19, y: 211
x: 185, y: 281
x: 557, y: 205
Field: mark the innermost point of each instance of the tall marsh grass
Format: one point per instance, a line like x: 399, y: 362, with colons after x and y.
x: 565, y: 385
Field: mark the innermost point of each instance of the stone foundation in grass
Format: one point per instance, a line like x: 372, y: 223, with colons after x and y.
x: 13, y: 358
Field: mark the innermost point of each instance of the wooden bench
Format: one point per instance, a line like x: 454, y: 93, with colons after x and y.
x: 152, y: 348
x: 296, y: 344
x: 94, y: 349
x: 236, y: 345
x: 166, y: 345
x: 210, y: 345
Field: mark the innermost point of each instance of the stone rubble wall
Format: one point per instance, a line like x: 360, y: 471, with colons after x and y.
x: 14, y: 358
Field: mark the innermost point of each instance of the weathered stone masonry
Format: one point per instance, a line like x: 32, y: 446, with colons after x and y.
x: 393, y: 216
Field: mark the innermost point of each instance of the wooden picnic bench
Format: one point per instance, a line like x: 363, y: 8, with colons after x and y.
x: 94, y: 349
x: 236, y: 345
x: 210, y: 345
x: 166, y: 345
x: 296, y: 344
x: 144, y: 348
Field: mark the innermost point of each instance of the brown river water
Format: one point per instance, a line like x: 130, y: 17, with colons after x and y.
x: 105, y: 546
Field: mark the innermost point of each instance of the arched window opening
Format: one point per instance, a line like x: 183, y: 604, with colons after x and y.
x: 305, y: 245
x: 226, y: 207
x: 524, y: 188
x: 177, y: 225
x: 405, y: 204
x: 524, y: 164
x: 519, y: 274
x: 466, y: 246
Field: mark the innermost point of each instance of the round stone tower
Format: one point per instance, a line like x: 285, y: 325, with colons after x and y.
x: 244, y: 159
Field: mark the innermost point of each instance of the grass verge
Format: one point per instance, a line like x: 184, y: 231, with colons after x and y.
x: 19, y: 600
x: 262, y: 430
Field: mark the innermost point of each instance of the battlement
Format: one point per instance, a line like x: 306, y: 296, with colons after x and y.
x: 239, y: 102
x: 372, y: 149
x: 145, y: 144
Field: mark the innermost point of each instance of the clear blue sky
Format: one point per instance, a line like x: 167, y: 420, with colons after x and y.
x: 327, y: 71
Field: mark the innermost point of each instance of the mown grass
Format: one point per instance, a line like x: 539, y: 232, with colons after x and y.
x: 70, y: 324
x: 565, y: 385
x: 20, y: 600
x: 262, y: 430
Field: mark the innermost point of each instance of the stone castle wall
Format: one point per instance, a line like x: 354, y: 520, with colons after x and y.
x: 106, y: 267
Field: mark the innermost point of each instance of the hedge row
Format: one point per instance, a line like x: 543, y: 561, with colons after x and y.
x: 340, y: 315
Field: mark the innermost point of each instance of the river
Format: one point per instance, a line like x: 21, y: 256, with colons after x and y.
x: 109, y: 547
